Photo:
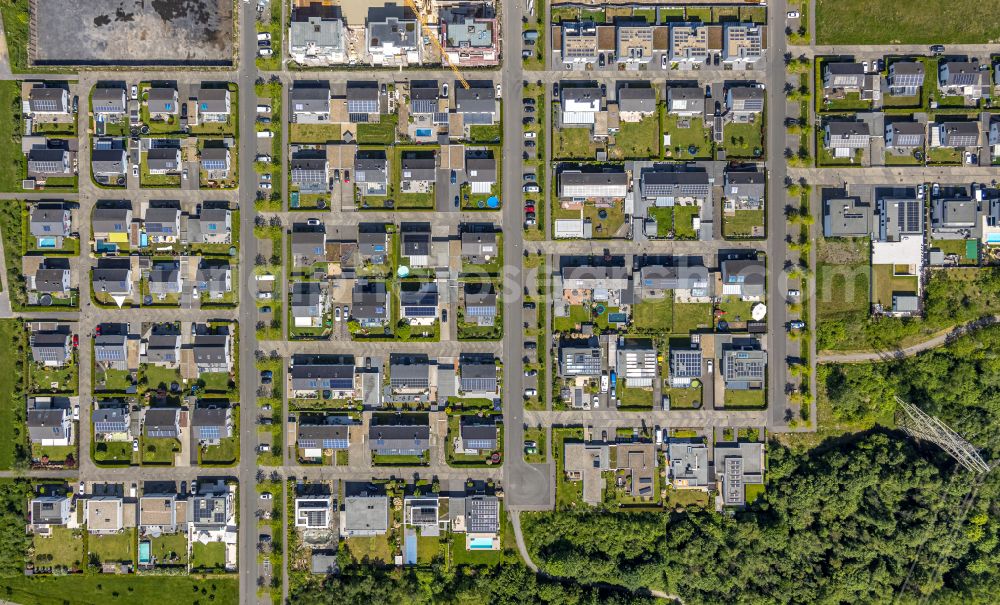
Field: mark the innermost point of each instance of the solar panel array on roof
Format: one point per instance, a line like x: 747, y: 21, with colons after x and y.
x: 420, y: 311
x: 358, y: 118
x: 209, y: 433
x: 326, y: 444
x: 483, y: 515
x: 479, y: 444
x: 734, y: 481
x: 478, y: 384
x: 114, y: 426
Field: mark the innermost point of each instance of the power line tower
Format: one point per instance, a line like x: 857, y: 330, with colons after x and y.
x: 925, y: 427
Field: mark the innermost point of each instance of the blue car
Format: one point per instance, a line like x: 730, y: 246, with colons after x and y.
x: 454, y: 177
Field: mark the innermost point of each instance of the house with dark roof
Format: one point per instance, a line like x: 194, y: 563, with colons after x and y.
x: 686, y: 101
x: 210, y: 424
x: 743, y: 190
x: 417, y: 171
x: 213, y: 353
x: 481, y: 174
x: 44, y: 162
x: 415, y: 243
x: 962, y: 78
x: 312, y: 374
x: 310, y: 104
x: 371, y: 172
x: 214, y: 280
x: 905, y: 78
x: 109, y: 103
x: 409, y: 372
x: 50, y: 223
x: 744, y: 102
x: 111, y: 224
x: 163, y: 160
x: 49, y: 421
x: 685, y: 280
x: 362, y: 102
x: 317, y: 34
x: 161, y: 103
x: 112, y: 276
x: 309, y: 304
x: 956, y: 217
x: 52, y: 277
x: 212, y: 226
x: 112, y: 422
x: 956, y: 134
x: 393, y: 36
x: 847, y: 217
x: 479, y: 303
x: 478, y: 375
x: 111, y: 349
x: 907, y: 135
x: 399, y: 439
x: 108, y: 163
x: 162, y: 423
x: 317, y: 433
x: 308, y: 245
x: 479, y: 246
x: 373, y: 244
x: 370, y: 304
x: 636, y: 102
x: 685, y: 366
x: 310, y: 173
x: 162, y: 225
x: 52, y: 348
x: 743, y: 278
x: 843, y: 137
x: 213, y: 105
x: 418, y: 302
x: 477, y: 105
x: 163, y: 346
x: 424, y: 95
x: 49, y: 101
x: 215, y: 161
x: 744, y: 366
x: 477, y: 436
x: 165, y: 279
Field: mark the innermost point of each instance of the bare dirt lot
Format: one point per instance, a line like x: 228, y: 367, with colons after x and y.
x: 133, y: 32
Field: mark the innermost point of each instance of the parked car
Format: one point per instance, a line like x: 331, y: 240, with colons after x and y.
x: 528, y: 101
x: 663, y: 61
x: 529, y: 109
x: 265, y: 134
x: 796, y: 324
x: 531, y: 372
x: 793, y: 293
x: 528, y: 121
x: 454, y: 177
x: 530, y: 392
x: 530, y: 135
x: 266, y: 496
x: 135, y: 445
x: 135, y: 93
x: 135, y: 170
x: 266, y: 376
x: 529, y: 144
x: 937, y: 49
x: 263, y: 109
x: 456, y: 201
x: 261, y: 449
x: 600, y: 60
x: 264, y: 36
x: 262, y: 157
x: 336, y: 314
x: 264, y: 52
x: 444, y: 90
x: 528, y: 176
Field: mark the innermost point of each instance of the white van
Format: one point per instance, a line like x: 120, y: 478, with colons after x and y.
x: 263, y: 109
x: 265, y: 134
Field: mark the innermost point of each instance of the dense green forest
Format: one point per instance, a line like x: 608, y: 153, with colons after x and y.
x: 511, y: 584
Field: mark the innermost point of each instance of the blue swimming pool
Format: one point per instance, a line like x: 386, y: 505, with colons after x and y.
x: 144, y: 558
x: 480, y: 543
x: 424, y: 132
x: 993, y: 238
x: 46, y: 242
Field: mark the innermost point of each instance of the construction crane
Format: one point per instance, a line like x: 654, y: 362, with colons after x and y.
x: 432, y: 36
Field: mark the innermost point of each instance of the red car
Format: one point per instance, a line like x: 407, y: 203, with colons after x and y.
x: 529, y: 208
x: 76, y: 340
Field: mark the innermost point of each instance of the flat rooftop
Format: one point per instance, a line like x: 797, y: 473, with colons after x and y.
x: 133, y: 32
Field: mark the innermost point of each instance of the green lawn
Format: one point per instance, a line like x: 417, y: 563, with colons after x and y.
x: 158, y: 377
x: 569, y: 494
x: 378, y: 133
x: 745, y: 399
x: 851, y: 102
x: 684, y: 399
x: 637, y: 140
x: 313, y: 133
x: 944, y: 155
x: 113, y: 452
x: 654, y: 315
x: 224, y: 454
x: 744, y: 140
x: 634, y: 398
x: 125, y: 589
x: 537, y: 435
x: 209, y: 557
x: 904, y: 159
x: 272, y: 26
x: 852, y: 22
x: 573, y: 143
x: 215, y: 381
x: 735, y: 309
x: 886, y: 284
x: 743, y: 224
x: 696, y: 134
x: 156, y: 450
x: 170, y: 549
x: 688, y: 317
x: 684, y: 221
x: 114, y: 381
x: 408, y: 200
x: 958, y: 247
x: 577, y: 315
x: 372, y: 549
x: 113, y: 548
x: 13, y: 169
x: 484, y: 133
x: 45, y: 379
x: 156, y: 181
x: 826, y: 158
x: 64, y: 548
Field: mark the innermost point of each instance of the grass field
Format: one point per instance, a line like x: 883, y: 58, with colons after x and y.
x: 14, y: 165
x: 170, y: 549
x: 13, y: 444
x: 691, y: 316
x: 375, y: 548
x: 100, y: 588
x: 744, y: 140
x: 885, y: 284
x: 684, y: 399
x: 682, y: 139
x: 573, y: 144
x: 313, y: 133
x: 743, y: 224
x: 892, y: 21
x: 159, y: 450
x: 113, y: 548
x: 654, y: 315
x: 378, y: 133
x: 64, y: 548
x: 637, y: 140
x: 208, y: 557
x: 744, y: 399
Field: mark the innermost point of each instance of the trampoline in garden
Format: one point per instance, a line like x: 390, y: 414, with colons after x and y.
x: 403, y: 271
x: 599, y: 309
x: 602, y: 214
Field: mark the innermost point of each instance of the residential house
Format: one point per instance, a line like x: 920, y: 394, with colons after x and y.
x: 109, y: 163
x: 214, y: 105
x: 393, y: 36
x: 743, y: 44
x: 373, y: 244
x: 418, y: 302
x: 49, y: 101
x: 744, y: 190
x: 743, y: 278
x: 672, y: 185
x: 478, y: 375
x: 311, y: 174
x: 409, y: 372
x: 50, y: 421
x: 316, y: 34
x: 399, y: 439
x: 212, y: 508
x: 955, y: 217
x: 479, y: 247
x: 104, y: 514
x: 213, y: 353
x: 50, y: 223
x: 843, y: 77
x: 165, y: 279
x: 365, y: 516
x: 738, y: 465
x: 844, y: 137
x: 47, y: 511
x: 580, y: 105
x: 579, y: 357
x: 163, y: 346
x: 161, y: 513
x: 323, y: 433
x: 424, y: 97
x: 52, y: 277
x: 209, y: 425
x: 313, y: 512
x: 686, y: 101
x: 477, y: 436
x: 162, y: 225
x: 214, y: 280
x: 480, y: 303
x: 309, y: 304
x: 957, y: 134
x: 744, y: 366
x: 481, y: 173
x: 691, y: 43
x: 212, y: 226
x: 415, y: 243
x: 904, y: 135
x: 482, y: 522
x: 369, y: 304
x: 371, y: 172
x: 685, y: 281
x: 418, y: 171
x: 609, y: 184
x: 634, y: 43
x: 636, y: 362
x: 688, y: 464
x: 422, y: 512
x: 906, y: 78
x: 310, y: 104
x: 112, y: 276
x: 586, y: 462
x: 744, y: 102
x: 308, y: 247
x: 477, y: 105
x: 112, y: 422
x: 45, y: 162
x: 109, y: 103
x: 636, y: 103
x: 161, y: 103
x: 579, y: 42
x: 962, y: 78
x: 605, y: 283
x: 311, y: 374
x: 362, y: 102
x: 111, y: 349
x: 847, y: 217
x: 52, y: 348
x: 685, y: 367
x: 163, y: 160
x: 162, y: 423
x: 470, y: 33
x: 111, y: 225
x: 215, y: 161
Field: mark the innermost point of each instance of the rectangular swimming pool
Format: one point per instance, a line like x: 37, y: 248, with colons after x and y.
x: 424, y: 132
x: 480, y: 544
x: 144, y: 558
